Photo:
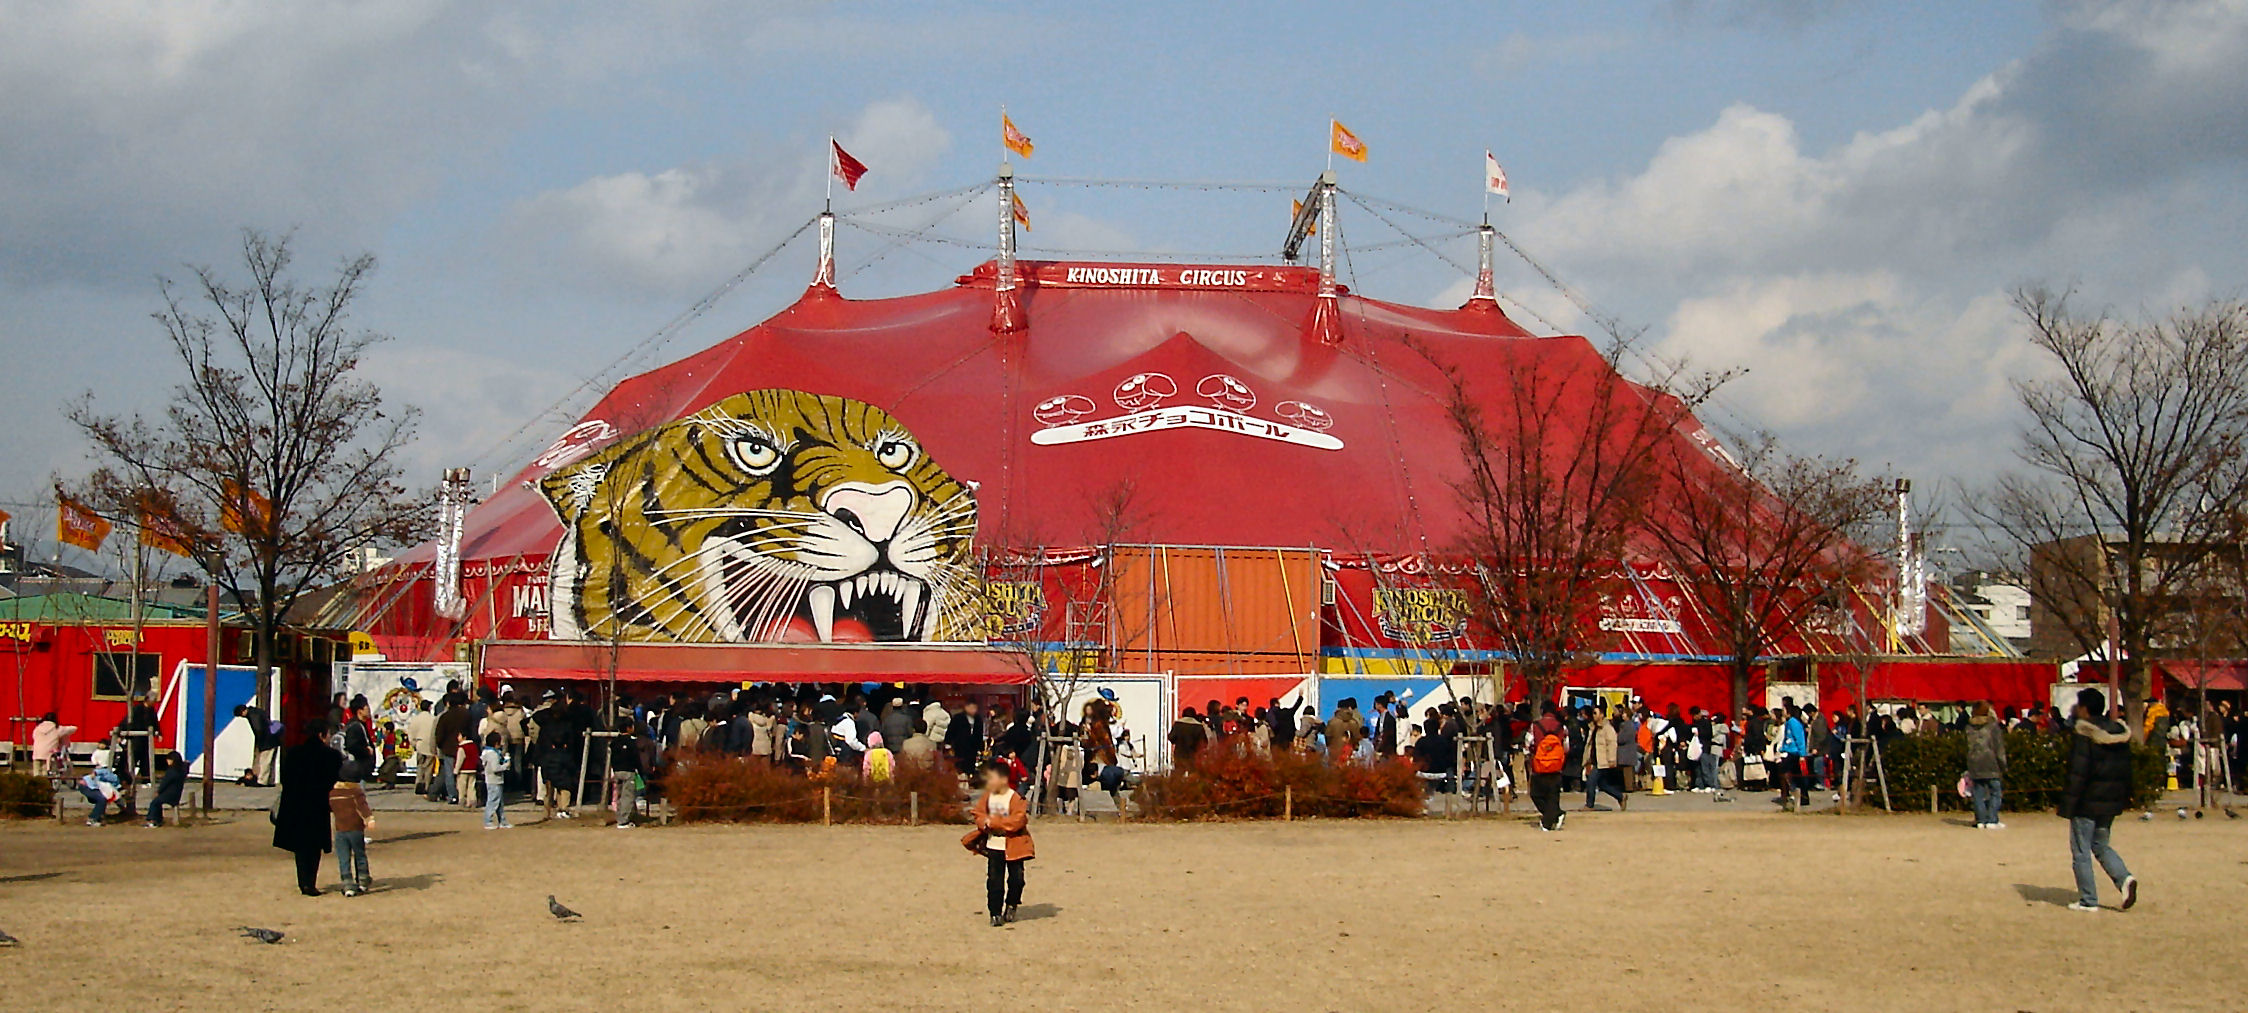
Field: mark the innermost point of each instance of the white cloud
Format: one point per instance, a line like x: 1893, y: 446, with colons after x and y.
x: 1865, y: 286
x: 679, y: 229
x: 1521, y: 52
x: 142, y: 125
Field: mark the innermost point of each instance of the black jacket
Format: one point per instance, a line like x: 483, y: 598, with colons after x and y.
x: 2099, y: 770
x: 300, y: 821
x: 624, y: 754
x: 173, y: 784
x: 964, y: 739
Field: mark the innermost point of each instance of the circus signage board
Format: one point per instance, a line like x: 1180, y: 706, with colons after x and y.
x: 1220, y: 403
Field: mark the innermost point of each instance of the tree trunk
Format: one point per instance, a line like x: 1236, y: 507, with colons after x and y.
x: 1742, y: 668
x: 268, y: 698
x: 1542, y: 682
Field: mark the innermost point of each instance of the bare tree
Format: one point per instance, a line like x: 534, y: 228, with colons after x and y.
x: 2135, y: 454
x: 1561, y: 457
x: 274, y: 461
x: 1762, y: 545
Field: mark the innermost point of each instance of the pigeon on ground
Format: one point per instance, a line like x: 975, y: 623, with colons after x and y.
x: 2181, y: 812
x: 555, y: 908
x: 266, y: 936
x: 2230, y: 815
x: 2145, y: 816
x: 7, y: 940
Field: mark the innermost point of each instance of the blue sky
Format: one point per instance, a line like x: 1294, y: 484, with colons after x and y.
x: 1836, y: 195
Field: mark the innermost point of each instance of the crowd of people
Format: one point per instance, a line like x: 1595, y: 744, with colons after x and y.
x: 476, y: 747
x: 482, y: 747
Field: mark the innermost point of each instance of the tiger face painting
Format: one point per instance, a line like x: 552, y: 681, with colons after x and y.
x: 773, y: 515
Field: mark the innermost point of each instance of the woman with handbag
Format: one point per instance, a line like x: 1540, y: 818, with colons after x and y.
x: 1002, y: 836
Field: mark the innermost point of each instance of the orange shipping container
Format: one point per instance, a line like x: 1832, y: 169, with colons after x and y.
x: 1215, y: 610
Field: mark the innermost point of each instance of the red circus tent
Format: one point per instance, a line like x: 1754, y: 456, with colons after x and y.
x: 1210, y: 393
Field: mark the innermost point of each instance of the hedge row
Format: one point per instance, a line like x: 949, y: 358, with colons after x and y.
x: 2036, y: 770
x: 734, y: 789
x: 1225, y: 783
x: 25, y: 796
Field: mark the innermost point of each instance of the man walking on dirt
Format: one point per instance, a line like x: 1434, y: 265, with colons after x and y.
x: 2099, y: 789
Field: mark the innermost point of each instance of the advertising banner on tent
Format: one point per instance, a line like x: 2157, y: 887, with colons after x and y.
x: 1199, y: 692
x: 1144, y: 703
x: 395, y: 689
x: 1418, y: 695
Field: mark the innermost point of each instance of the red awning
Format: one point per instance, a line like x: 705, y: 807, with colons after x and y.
x: 946, y: 664
x: 2216, y: 675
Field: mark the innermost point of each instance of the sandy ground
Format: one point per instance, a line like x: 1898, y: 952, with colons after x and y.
x: 1620, y: 911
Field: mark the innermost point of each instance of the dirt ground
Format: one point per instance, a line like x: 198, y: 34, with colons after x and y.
x: 1656, y: 911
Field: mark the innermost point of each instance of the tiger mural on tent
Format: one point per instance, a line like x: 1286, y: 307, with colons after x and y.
x: 772, y: 515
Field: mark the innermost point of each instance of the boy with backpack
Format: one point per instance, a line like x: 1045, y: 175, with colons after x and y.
x: 1549, y: 756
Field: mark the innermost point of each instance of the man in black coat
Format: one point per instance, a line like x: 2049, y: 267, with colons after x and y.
x: 1282, y: 719
x: 2099, y: 790
x: 300, y: 819
x: 964, y: 738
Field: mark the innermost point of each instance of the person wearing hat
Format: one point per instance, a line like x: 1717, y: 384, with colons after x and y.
x: 896, y: 722
x: 2099, y: 789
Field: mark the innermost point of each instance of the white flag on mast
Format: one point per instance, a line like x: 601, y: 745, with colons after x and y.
x: 1494, y: 178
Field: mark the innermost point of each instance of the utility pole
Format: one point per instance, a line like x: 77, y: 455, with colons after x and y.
x: 210, y: 689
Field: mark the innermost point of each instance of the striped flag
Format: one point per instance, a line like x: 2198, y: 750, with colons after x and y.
x: 845, y: 168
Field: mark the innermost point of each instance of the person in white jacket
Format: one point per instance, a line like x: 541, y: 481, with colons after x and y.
x: 937, y: 718
x: 421, y: 734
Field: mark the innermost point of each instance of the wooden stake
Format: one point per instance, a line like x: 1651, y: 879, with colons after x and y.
x: 1288, y: 804
x: 1931, y: 800
x: 825, y: 813
x: 913, y: 808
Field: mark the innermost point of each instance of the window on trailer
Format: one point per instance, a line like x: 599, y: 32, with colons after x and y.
x: 121, y: 675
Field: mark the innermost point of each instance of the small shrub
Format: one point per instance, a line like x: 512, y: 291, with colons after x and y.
x: 731, y: 789
x: 25, y: 796
x: 2036, y: 770
x: 1225, y: 783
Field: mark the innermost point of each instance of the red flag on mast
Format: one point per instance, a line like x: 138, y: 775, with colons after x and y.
x: 845, y: 167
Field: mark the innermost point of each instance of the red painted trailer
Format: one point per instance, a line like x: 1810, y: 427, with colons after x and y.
x: 75, y: 656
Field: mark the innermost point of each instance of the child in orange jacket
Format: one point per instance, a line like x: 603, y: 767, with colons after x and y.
x: 352, y: 816
x: 1002, y: 836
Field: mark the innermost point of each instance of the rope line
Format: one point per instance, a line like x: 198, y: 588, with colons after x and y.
x: 651, y: 343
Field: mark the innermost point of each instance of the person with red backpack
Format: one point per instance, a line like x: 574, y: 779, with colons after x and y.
x: 1549, y: 756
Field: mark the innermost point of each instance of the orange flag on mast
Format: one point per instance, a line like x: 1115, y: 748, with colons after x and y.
x: 244, y: 512
x: 1342, y: 142
x: 1022, y: 214
x: 160, y: 527
x: 1015, y: 140
x: 1296, y: 210
x: 77, y: 525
